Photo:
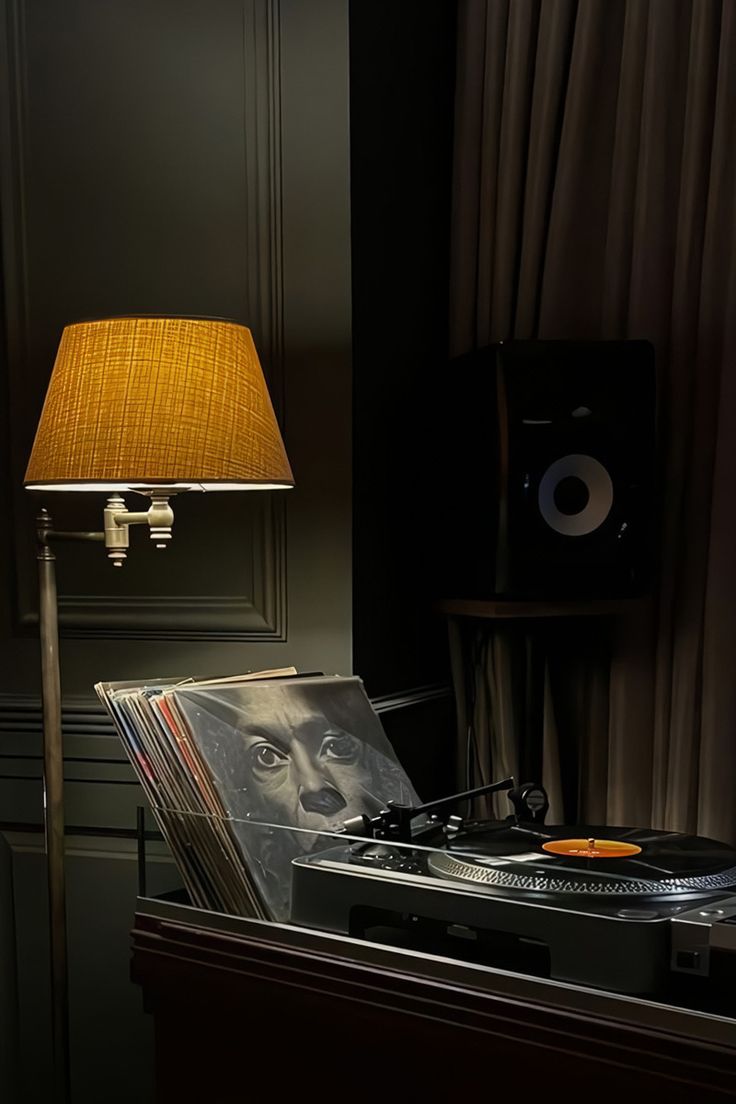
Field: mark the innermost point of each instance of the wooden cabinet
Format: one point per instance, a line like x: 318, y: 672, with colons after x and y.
x: 247, y: 1010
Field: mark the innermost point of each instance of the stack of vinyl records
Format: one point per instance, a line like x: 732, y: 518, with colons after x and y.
x: 246, y: 773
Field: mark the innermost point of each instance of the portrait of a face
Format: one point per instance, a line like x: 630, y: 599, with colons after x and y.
x: 306, y: 771
x: 303, y: 754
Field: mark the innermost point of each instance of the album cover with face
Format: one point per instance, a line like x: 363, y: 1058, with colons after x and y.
x: 287, y: 759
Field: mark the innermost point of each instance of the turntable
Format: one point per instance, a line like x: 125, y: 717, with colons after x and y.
x: 624, y: 909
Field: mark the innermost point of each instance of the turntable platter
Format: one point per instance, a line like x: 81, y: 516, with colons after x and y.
x: 587, y: 861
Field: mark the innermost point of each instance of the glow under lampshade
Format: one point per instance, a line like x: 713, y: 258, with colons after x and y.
x: 136, y: 402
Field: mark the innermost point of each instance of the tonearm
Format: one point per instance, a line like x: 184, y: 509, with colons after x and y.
x: 529, y: 800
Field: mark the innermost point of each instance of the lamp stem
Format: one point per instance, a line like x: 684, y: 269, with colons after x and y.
x: 53, y: 772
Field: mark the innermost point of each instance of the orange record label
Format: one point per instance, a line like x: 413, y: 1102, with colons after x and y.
x: 592, y: 848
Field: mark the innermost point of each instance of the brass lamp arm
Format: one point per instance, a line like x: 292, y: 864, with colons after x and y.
x: 48, y: 535
x: 117, y: 520
x: 159, y: 517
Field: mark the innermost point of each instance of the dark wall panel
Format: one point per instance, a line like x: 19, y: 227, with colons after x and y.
x: 184, y: 157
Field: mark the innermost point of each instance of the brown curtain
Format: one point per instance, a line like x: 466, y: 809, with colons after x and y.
x: 595, y: 197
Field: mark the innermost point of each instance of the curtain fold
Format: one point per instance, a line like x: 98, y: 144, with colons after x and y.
x: 594, y: 197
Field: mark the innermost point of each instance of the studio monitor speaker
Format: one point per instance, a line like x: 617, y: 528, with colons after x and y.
x: 547, y: 480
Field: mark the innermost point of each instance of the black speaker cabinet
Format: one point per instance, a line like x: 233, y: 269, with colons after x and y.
x: 546, y: 477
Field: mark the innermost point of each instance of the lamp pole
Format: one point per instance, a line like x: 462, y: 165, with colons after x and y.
x: 53, y: 793
x: 53, y: 804
x: 117, y: 519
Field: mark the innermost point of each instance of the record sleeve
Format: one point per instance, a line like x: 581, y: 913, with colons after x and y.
x: 284, y: 754
x: 245, y: 774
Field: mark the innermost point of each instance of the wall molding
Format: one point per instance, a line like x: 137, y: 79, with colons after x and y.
x: 21, y: 717
x: 256, y: 612
x: 260, y: 617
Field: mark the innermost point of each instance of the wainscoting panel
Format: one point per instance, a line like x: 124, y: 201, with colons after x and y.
x: 138, y: 188
x: 111, y: 1040
x: 186, y: 158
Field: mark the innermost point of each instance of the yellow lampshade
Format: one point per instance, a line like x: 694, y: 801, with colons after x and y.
x: 140, y: 402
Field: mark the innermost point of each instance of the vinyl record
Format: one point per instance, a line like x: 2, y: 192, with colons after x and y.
x: 593, y: 861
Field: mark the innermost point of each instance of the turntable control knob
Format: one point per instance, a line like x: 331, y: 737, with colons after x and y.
x: 379, y: 853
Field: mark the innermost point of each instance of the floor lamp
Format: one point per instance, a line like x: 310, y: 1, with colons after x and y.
x: 152, y: 405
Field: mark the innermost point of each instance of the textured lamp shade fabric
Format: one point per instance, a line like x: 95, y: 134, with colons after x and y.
x: 157, y: 401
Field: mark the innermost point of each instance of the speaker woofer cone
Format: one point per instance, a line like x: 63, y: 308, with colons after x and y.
x: 597, y: 481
